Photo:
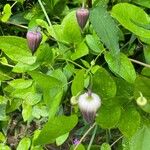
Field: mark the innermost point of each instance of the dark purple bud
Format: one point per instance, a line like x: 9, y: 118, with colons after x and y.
x: 82, y: 15
x: 34, y: 39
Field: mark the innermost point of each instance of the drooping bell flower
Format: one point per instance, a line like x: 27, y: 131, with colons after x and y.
x: 88, y: 104
x: 82, y: 15
x: 34, y: 38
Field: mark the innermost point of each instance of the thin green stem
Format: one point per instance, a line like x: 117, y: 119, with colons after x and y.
x: 45, y: 13
x: 47, y: 18
x: 92, y: 138
x: 116, y: 141
x: 18, y: 25
x: 85, y: 134
x: 140, y: 63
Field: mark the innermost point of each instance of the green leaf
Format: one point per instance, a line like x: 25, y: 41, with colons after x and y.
x: 49, y: 85
x: 122, y: 66
x: 146, y: 72
x: 103, y: 84
x: 6, y: 13
x: 108, y: 116
x: 147, y: 53
x: 105, y: 28
x: 60, y: 140
x: 129, y: 122
x: 94, y: 44
x: 22, y: 67
x: 26, y: 112
x: 4, y: 147
x: 142, y: 84
x: 16, y: 49
x: 80, y: 51
x: 105, y: 146
x: 3, y: 103
x: 145, y: 3
x: 20, y: 83
x: 132, y: 18
x: 4, y: 73
x: 44, y: 54
x: 71, y: 30
x: 140, y: 141
x: 78, y: 83
x: 56, y: 127
x: 24, y: 144
x: 80, y: 147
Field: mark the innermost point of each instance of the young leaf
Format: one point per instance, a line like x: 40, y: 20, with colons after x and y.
x: 56, y: 127
x: 122, y: 66
x: 6, y: 13
x: 105, y: 28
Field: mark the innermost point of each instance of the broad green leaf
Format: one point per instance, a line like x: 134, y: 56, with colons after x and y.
x: 108, y: 116
x: 140, y: 140
x: 29, y: 95
x: 105, y: 146
x: 26, y: 112
x: 13, y: 105
x: 146, y: 72
x: 24, y: 144
x: 103, y: 84
x: 80, y: 51
x: 133, y: 18
x: 44, y: 54
x: 6, y: 13
x: 145, y: 3
x: 4, y: 73
x: 147, y: 53
x: 78, y: 83
x: 22, y: 67
x: 2, y: 138
x: 60, y: 140
x: 142, y: 84
x: 94, y: 44
x: 80, y: 147
x: 45, y: 81
x: 71, y: 30
x: 39, y: 111
x: 58, y: 74
x: 20, y: 83
x: 49, y: 85
x: 56, y: 127
x: 121, y: 66
x: 105, y: 28
x: 3, y: 103
x: 16, y: 49
x: 4, y: 147
x: 129, y: 122
x: 54, y: 104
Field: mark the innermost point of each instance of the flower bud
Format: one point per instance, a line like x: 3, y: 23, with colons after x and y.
x: 73, y: 100
x: 82, y: 15
x: 34, y: 39
x: 88, y: 105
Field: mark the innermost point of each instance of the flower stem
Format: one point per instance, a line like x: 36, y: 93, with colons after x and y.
x: 140, y: 63
x: 116, y: 141
x: 93, y: 136
x: 85, y: 134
